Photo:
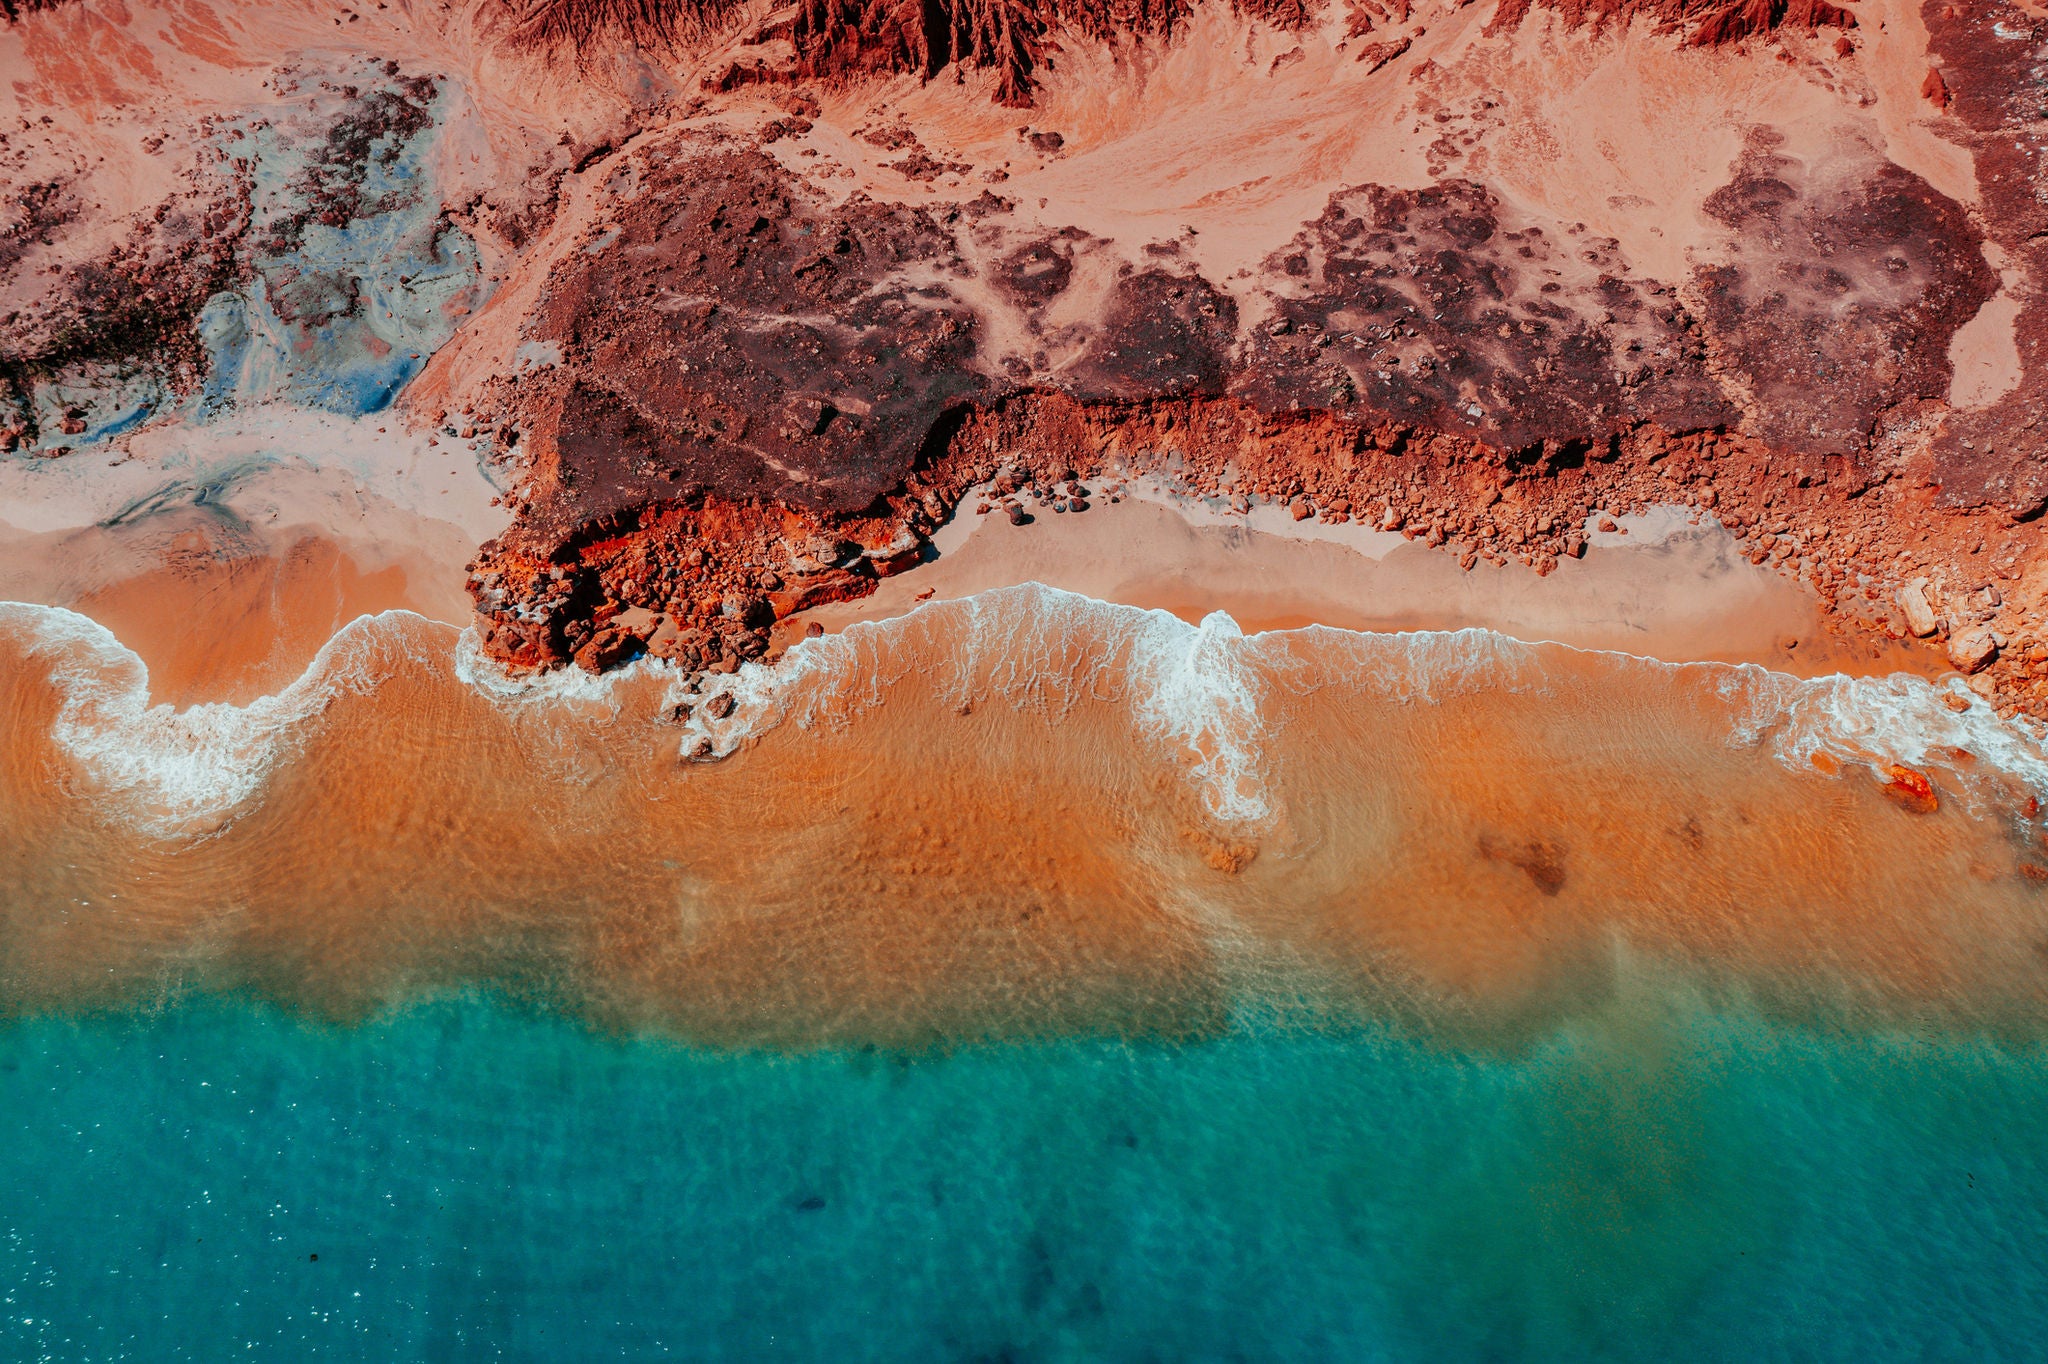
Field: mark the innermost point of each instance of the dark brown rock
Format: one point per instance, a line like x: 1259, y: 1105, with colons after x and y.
x: 606, y: 648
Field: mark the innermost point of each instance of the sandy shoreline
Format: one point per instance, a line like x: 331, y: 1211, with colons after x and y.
x: 227, y: 558
x: 1673, y: 587
x: 227, y: 555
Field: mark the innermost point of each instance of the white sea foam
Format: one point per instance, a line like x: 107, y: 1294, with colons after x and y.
x: 1879, y: 721
x: 560, y: 687
x: 1198, y: 693
x: 1192, y: 689
x: 1421, y: 666
x: 1199, y: 689
x: 178, y: 773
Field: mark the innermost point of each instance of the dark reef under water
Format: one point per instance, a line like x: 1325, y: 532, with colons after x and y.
x: 1656, y: 1178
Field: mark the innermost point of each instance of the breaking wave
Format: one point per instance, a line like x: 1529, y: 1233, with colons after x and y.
x: 175, y: 773
x: 1200, y: 692
x: 1201, y: 696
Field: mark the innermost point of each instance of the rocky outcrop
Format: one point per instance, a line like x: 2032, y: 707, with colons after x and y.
x: 759, y: 335
x: 298, y: 257
x: 1840, y: 292
x: 835, y: 40
x: 753, y: 397
x: 1703, y: 23
x: 1990, y: 69
x: 1423, y: 307
x: 730, y: 330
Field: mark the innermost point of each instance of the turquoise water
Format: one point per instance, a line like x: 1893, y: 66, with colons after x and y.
x: 1654, y: 1179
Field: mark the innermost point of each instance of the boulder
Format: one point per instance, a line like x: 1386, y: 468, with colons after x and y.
x: 901, y: 553
x: 1910, y: 790
x: 756, y: 613
x: 605, y: 649
x: 838, y: 584
x: 1920, y: 618
x: 1973, y: 649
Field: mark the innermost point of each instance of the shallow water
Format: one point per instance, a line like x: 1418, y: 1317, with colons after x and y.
x: 1652, y: 1179
x: 1029, y: 978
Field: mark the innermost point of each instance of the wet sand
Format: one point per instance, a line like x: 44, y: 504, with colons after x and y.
x: 1673, y: 587
x: 227, y: 556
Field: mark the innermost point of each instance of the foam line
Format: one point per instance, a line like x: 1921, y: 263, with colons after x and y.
x: 1198, y: 691
x: 1200, y: 695
x: 179, y: 773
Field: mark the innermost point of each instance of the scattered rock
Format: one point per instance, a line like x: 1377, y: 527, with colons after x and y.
x: 719, y: 706
x: 607, y: 648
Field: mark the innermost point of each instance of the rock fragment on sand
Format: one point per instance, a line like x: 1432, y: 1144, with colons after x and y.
x: 1973, y: 649
x: 606, y: 648
x: 1910, y: 790
x: 719, y: 706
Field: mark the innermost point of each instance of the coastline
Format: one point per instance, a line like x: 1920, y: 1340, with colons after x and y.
x: 228, y: 581
x: 227, y: 556
x: 1676, y: 587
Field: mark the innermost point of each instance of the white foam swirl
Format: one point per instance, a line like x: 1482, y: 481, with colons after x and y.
x: 177, y: 773
x: 1199, y: 695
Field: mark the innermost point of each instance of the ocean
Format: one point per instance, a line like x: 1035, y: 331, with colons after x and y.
x: 1023, y: 978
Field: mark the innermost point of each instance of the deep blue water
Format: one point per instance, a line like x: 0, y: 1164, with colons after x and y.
x: 1652, y: 1181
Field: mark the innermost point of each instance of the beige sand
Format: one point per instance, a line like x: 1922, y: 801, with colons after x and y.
x: 1985, y: 351
x: 1668, y: 589
x: 226, y: 556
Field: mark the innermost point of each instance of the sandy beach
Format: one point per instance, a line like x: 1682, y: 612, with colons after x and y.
x: 226, y: 565
x: 1666, y: 585
x: 225, y: 556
